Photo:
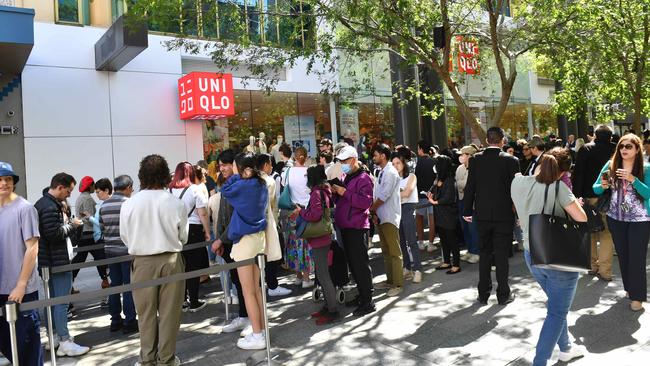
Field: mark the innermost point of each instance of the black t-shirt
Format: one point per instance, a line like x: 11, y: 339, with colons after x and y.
x: 210, y: 184
x: 425, y: 175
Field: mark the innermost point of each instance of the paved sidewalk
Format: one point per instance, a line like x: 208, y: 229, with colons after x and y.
x: 436, y: 322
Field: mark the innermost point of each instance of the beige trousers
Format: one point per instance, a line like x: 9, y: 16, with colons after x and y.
x: 158, y: 308
x: 601, y: 255
x: 389, y: 239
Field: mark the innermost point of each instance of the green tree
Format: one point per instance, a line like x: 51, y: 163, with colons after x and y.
x: 601, y: 58
x: 328, y: 33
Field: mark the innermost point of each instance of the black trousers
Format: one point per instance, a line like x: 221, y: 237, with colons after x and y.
x: 98, y: 254
x: 355, y: 244
x: 495, y: 240
x: 631, y: 243
x: 450, y: 247
x: 194, y: 259
x: 234, y: 277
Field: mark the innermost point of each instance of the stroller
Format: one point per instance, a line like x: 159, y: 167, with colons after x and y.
x: 338, y: 268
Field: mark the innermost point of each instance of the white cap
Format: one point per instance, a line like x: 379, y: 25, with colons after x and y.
x: 346, y: 153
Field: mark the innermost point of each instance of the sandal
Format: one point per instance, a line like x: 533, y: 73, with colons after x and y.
x: 452, y: 271
x: 443, y: 266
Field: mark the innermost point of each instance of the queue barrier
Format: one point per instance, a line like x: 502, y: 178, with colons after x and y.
x: 12, y: 309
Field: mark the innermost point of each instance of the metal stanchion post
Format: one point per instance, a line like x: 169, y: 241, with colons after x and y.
x: 11, y: 313
x: 261, y: 261
x: 48, y: 311
x: 227, y: 298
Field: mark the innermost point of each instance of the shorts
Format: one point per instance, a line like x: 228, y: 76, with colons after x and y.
x: 426, y: 210
x: 249, y: 246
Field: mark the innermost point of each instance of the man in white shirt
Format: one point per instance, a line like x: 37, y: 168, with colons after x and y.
x: 153, y: 226
x: 388, y: 210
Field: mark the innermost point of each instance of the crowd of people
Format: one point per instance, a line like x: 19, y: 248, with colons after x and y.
x: 301, y: 212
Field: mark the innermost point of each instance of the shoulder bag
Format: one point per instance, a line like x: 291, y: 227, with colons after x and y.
x: 559, y: 243
x: 309, y: 230
x: 285, y: 203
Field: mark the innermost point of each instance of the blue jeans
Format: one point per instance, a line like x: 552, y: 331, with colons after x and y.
x: 470, y: 233
x: 30, y: 352
x: 560, y: 288
x: 408, y: 240
x: 120, y: 274
x: 60, y: 285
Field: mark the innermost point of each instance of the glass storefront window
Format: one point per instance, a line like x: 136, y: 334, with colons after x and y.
x: 270, y: 112
x: 316, y: 106
x: 68, y: 11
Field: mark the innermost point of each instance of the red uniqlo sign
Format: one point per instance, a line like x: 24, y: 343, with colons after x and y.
x: 468, y: 54
x: 206, y: 95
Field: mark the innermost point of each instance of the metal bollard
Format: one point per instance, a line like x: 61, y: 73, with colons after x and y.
x: 11, y: 313
x: 48, y: 309
x: 227, y: 297
x: 261, y: 261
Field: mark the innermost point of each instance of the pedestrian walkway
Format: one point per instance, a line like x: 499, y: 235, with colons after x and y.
x: 436, y: 322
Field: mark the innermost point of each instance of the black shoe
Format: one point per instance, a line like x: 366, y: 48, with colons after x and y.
x: 481, y: 301
x: 129, y: 328
x: 116, y: 326
x: 507, y: 301
x: 364, y: 309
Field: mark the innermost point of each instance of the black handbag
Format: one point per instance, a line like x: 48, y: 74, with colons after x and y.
x: 559, y: 243
x: 602, y: 205
x: 594, y: 218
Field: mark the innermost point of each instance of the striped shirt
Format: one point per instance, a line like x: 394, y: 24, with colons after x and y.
x: 109, y: 217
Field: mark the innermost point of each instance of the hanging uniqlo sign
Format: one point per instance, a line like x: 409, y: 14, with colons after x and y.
x: 206, y: 95
x: 467, y: 56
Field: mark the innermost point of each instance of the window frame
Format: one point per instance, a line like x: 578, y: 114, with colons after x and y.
x: 80, y: 14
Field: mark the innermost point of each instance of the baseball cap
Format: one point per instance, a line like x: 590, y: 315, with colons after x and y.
x: 346, y: 153
x: 6, y: 170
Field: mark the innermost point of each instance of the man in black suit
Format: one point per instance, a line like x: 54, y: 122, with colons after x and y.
x: 487, y: 200
x: 537, y: 148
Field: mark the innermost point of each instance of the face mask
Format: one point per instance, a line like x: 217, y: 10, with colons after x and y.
x: 346, y: 168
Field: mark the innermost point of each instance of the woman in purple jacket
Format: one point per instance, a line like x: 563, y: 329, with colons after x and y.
x: 353, y: 201
x: 320, y: 246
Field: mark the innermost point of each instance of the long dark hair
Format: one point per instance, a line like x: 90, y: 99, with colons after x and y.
x: 316, y: 176
x: 443, y: 167
x: 405, y: 170
x: 248, y: 160
x: 617, y: 159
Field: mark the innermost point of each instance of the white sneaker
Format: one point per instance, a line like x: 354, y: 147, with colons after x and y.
x: 279, y: 291
x: 417, y: 277
x: 252, y: 341
x: 246, y: 331
x: 465, y: 256
x: 431, y: 247
x: 307, y: 284
x: 236, y: 324
x: 422, y: 244
x: 4, y: 361
x: 574, y: 352
x: 71, y: 349
x: 473, y: 258
x: 56, y: 343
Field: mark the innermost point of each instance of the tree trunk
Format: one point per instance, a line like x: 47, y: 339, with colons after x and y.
x: 463, y: 108
x: 506, y: 91
x: 636, y: 122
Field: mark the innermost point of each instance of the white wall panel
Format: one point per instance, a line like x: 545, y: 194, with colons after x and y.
x: 78, y: 156
x: 156, y: 58
x: 194, y: 140
x: 130, y: 150
x: 64, y: 45
x: 145, y: 104
x: 65, y: 102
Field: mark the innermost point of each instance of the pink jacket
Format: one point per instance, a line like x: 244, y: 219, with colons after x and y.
x: 314, y: 212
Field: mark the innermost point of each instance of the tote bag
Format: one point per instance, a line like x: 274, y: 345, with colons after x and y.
x: 558, y: 242
x: 272, y: 249
x: 309, y: 230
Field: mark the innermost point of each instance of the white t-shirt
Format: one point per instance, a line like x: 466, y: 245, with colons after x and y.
x: 297, y: 180
x: 413, y: 197
x: 193, y: 198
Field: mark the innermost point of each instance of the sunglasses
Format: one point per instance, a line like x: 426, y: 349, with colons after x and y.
x: 626, y: 147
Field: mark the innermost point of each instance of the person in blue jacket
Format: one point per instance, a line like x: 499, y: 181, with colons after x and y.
x: 246, y: 192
